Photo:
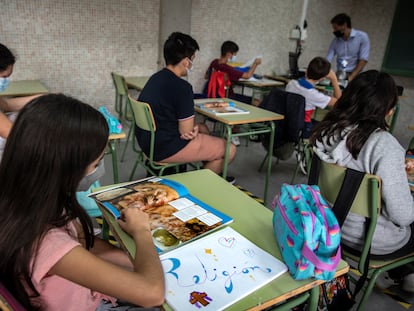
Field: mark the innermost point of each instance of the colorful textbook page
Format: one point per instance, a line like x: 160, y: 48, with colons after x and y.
x: 409, y: 167
x: 216, y: 271
x: 175, y: 215
x: 220, y: 107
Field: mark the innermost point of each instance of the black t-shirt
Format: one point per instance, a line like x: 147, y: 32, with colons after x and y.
x: 171, y: 99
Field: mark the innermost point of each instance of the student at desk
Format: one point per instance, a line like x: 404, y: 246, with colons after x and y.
x: 178, y: 138
x: 49, y: 256
x: 354, y: 134
x: 229, y: 51
x: 8, y: 106
x: 318, y: 69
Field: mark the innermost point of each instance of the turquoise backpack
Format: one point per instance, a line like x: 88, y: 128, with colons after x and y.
x: 307, y: 232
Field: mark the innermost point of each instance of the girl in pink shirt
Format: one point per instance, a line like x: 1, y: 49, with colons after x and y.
x: 49, y: 257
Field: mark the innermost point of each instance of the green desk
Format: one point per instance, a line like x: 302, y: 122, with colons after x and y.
x: 252, y: 220
x: 259, y: 86
x: 112, y: 141
x: 25, y: 88
x: 136, y: 83
x: 259, y: 121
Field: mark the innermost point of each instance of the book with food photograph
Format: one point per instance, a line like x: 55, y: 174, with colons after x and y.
x: 409, y: 168
x: 175, y: 216
x: 221, y: 107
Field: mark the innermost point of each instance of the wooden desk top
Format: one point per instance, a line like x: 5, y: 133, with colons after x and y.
x: 260, y: 83
x: 256, y: 114
x: 137, y: 83
x: 252, y: 220
x: 285, y: 80
x: 25, y: 88
x: 121, y: 135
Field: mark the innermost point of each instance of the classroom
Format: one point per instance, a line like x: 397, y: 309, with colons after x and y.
x: 73, y: 46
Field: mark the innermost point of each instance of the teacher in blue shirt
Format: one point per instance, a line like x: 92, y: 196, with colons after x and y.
x: 350, y: 46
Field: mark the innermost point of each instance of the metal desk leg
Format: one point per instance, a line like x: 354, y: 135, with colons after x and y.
x: 269, y: 160
x: 112, y: 148
x: 227, y: 152
x: 314, y: 298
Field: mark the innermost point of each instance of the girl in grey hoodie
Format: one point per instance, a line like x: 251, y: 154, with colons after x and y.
x: 354, y: 134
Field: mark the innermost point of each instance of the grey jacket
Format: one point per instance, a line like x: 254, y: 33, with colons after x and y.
x: 383, y: 156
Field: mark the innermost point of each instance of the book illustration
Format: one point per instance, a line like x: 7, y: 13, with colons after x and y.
x: 216, y: 271
x: 409, y: 168
x: 219, y: 107
x: 175, y: 216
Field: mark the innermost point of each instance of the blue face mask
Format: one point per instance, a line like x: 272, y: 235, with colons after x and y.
x: 4, y: 83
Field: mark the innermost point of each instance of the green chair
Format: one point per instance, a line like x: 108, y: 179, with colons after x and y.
x: 121, y: 92
x: 144, y: 119
x: 123, y: 107
x: 367, y: 203
x: 392, y: 119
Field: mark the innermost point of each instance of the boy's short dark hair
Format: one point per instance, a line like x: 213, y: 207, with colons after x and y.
x: 179, y: 46
x: 341, y: 19
x: 318, y: 68
x: 6, y: 57
x: 229, y: 47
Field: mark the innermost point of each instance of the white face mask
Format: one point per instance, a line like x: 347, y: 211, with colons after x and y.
x: 232, y: 59
x: 4, y: 83
x: 87, y: 180
x: 190, y: 70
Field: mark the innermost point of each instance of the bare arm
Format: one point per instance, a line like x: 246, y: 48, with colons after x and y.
x: 361, y: 64
x: 144, y: 286
x: 187, y: 129
x: 15, y: 103
x: 5, y: 126
x: 111, y: 253
x: 253, y: 67
x: 336, y: 89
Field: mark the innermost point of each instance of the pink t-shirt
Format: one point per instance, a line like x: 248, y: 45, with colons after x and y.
x: 57, y: 293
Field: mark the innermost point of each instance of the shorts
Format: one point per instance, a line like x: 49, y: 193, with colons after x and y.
x: 202, y: 148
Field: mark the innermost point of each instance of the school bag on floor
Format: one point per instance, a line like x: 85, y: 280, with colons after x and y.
x: 306, y: 232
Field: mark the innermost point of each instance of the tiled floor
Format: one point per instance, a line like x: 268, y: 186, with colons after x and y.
x: 245, y: 169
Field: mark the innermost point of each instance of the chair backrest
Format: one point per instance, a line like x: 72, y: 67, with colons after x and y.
x: 288, y: 130
x: 143, y: 116
x: 119, y: 83
x: 392, y: 119
x: 144, y: 119
x: 367, y: 202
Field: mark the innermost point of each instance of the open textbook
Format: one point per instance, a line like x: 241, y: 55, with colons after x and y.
x: 221, y: 107
x: 409, y: 168
x: 175, y: 216
x: 217, y: 270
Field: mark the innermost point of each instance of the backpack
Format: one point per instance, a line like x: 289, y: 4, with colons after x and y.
x: 307, y: 232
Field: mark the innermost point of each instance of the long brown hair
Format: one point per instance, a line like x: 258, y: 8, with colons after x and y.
x: 363, y: 105
x: 52, y: 142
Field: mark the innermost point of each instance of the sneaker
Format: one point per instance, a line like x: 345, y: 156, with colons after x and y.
x: 230, y: 179
x: 408, y: 283
x: 302, y: 163
x: 235, y: 141
x: 384, y: 281
x: 254, y: 138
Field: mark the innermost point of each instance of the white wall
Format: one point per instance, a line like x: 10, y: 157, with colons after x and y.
x: 73, y: 45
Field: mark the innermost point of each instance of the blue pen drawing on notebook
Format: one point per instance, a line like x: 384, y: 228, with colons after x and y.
x: 216, y: 270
